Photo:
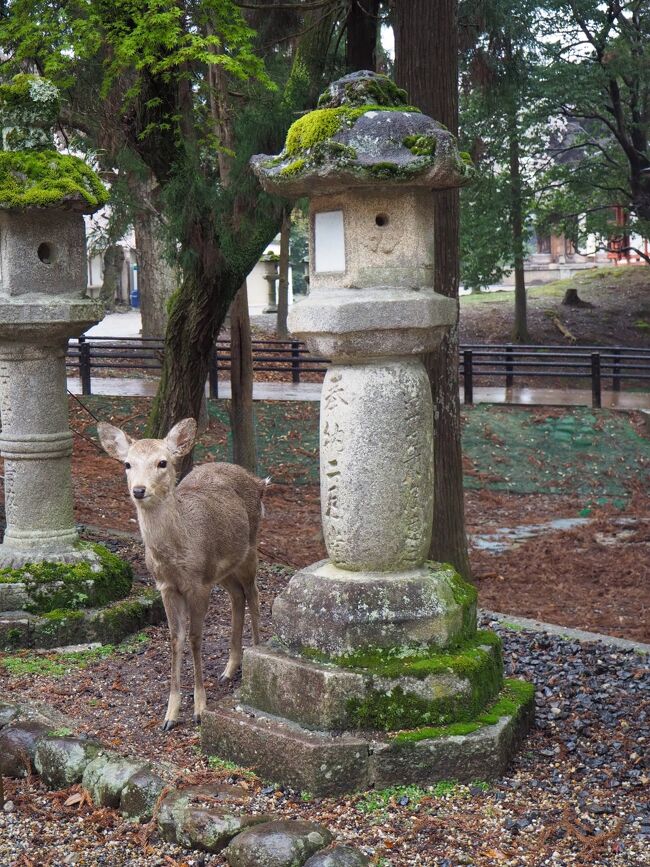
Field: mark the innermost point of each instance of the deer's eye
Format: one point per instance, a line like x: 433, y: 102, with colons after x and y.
x: 127, y: 465
x: 162, y: 464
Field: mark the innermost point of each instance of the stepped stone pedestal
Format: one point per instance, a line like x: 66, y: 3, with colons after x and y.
x: 376, y: 674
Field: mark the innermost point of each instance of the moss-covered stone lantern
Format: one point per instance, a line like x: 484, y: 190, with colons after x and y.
x: 377, y: 674
x: 43, y: 197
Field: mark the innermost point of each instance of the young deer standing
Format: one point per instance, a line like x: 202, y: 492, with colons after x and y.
x: 196, y: 534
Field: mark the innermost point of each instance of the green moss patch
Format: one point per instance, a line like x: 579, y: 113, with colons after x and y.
x: 515, y: 695
x: 55, y: 586
x: 421, y: 145
x: 479, y: 664
x: 46, y: 178
x: 324, y: 123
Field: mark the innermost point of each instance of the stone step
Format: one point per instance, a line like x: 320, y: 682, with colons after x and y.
x: 326, y: 764
x: 108, y: 625
x: 432, y: 690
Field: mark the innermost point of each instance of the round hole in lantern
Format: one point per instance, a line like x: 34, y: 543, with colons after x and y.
x: 45, y: 253
x: 381, y: 220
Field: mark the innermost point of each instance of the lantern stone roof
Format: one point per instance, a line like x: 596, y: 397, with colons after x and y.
x: 362, y: 134
x: 33, y: 174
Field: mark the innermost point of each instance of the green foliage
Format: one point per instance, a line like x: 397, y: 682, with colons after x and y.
x: 39, y: 179
x: 218, y: 764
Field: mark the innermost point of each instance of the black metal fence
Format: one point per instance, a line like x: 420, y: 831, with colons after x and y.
x: 495, y: 364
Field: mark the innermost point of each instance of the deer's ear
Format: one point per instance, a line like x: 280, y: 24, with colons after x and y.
x: 180, y: 438
x: 114, y: 440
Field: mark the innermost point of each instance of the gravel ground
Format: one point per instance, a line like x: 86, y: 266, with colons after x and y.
x: 578, y: 793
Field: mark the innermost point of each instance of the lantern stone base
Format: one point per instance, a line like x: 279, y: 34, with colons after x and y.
x: 329, y: 764
x: 337, y: 611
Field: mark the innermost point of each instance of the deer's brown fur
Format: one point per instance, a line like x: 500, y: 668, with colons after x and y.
x: 196, y: 534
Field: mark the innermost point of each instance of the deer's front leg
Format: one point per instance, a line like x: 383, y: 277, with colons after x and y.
x: 198, y: 607
x: 176, y: 611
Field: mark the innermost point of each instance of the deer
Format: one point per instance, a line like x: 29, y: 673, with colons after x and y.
x: 197, y: 534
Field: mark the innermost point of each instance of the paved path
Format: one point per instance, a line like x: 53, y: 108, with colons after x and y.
x: 123, y: 386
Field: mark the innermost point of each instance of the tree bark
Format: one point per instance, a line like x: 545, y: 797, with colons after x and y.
x: 112, y: 277
x: 520, y: 326
x: 362, y: 27
x: 426, y: 65
x: 283, y: 277
x: 157, y: 280
x: 242, y: 425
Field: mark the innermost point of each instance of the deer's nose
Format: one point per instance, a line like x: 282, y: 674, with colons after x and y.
x: 139, y: 493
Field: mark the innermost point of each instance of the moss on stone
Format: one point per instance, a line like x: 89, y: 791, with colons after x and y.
x: 478, y: 663
x: 55, y: 586
x: 294, y: 168
x: 324, y: 123
x: 46, y: 178
x: 375, y: 90
x: 421, y: 145
x: 465, y: 157
x: 515, y: 695
x: 59, y: 615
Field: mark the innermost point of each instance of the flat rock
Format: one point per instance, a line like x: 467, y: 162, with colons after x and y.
x: 18, y: 742
x: 285, y: 843
x: 205, y: 817
x: 140, y: 794
x: 338, y: 856
x: 106, y: 775
x: 61, y: 761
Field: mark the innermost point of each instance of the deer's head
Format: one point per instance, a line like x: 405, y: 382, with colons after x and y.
x: 149, y: 464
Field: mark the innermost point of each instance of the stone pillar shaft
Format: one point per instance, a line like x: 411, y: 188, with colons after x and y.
x: 376, y: 458
x: 36, y: 445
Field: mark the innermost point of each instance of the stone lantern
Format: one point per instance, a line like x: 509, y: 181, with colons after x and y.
x: 43, y: 197
x: 376, y: 674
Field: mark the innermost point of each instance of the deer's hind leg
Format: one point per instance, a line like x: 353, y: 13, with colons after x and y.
x: 238, y: 602
x: 249, y: 583
x: 198, y: 608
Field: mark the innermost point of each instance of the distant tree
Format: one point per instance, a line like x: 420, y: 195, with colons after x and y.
x: 597, y: 82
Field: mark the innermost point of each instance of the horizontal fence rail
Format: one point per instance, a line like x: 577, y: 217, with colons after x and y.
x: 509, y: 364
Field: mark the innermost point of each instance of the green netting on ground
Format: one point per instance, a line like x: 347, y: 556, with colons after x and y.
x: 525, y: 451
x: 573, y: 451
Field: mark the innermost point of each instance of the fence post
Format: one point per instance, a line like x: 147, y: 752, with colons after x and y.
x: 595, y: 380
x: 468, y: 385
x: 509, y: 366
x: 213, y: 372
x: 616, y: 370
x: 295, y: 361
x: 84, y: 365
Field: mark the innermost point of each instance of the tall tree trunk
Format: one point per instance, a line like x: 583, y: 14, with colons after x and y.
x: 426, y: 65
x: 520, y: 327
x: 362, y: 29
x: 157, y: 280
x: 283, y: 276
x: 242, y: 425
x: 112, y: 276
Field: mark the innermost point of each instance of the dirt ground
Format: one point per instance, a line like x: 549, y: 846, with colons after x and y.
x: 594, y: 576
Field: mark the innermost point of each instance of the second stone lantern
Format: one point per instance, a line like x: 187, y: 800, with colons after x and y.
x: 377, y: 673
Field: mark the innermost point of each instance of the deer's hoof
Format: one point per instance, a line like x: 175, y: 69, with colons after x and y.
x: 225, y: 678
x: 169, y: 724
x: 197, y: 719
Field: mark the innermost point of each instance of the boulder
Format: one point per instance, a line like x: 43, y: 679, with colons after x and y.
x: 338, y: 856
x: 140, y: 794
x: 286, y: 843
x: 18, y: 742
x: 106, y: 775
x: 61, y: 761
